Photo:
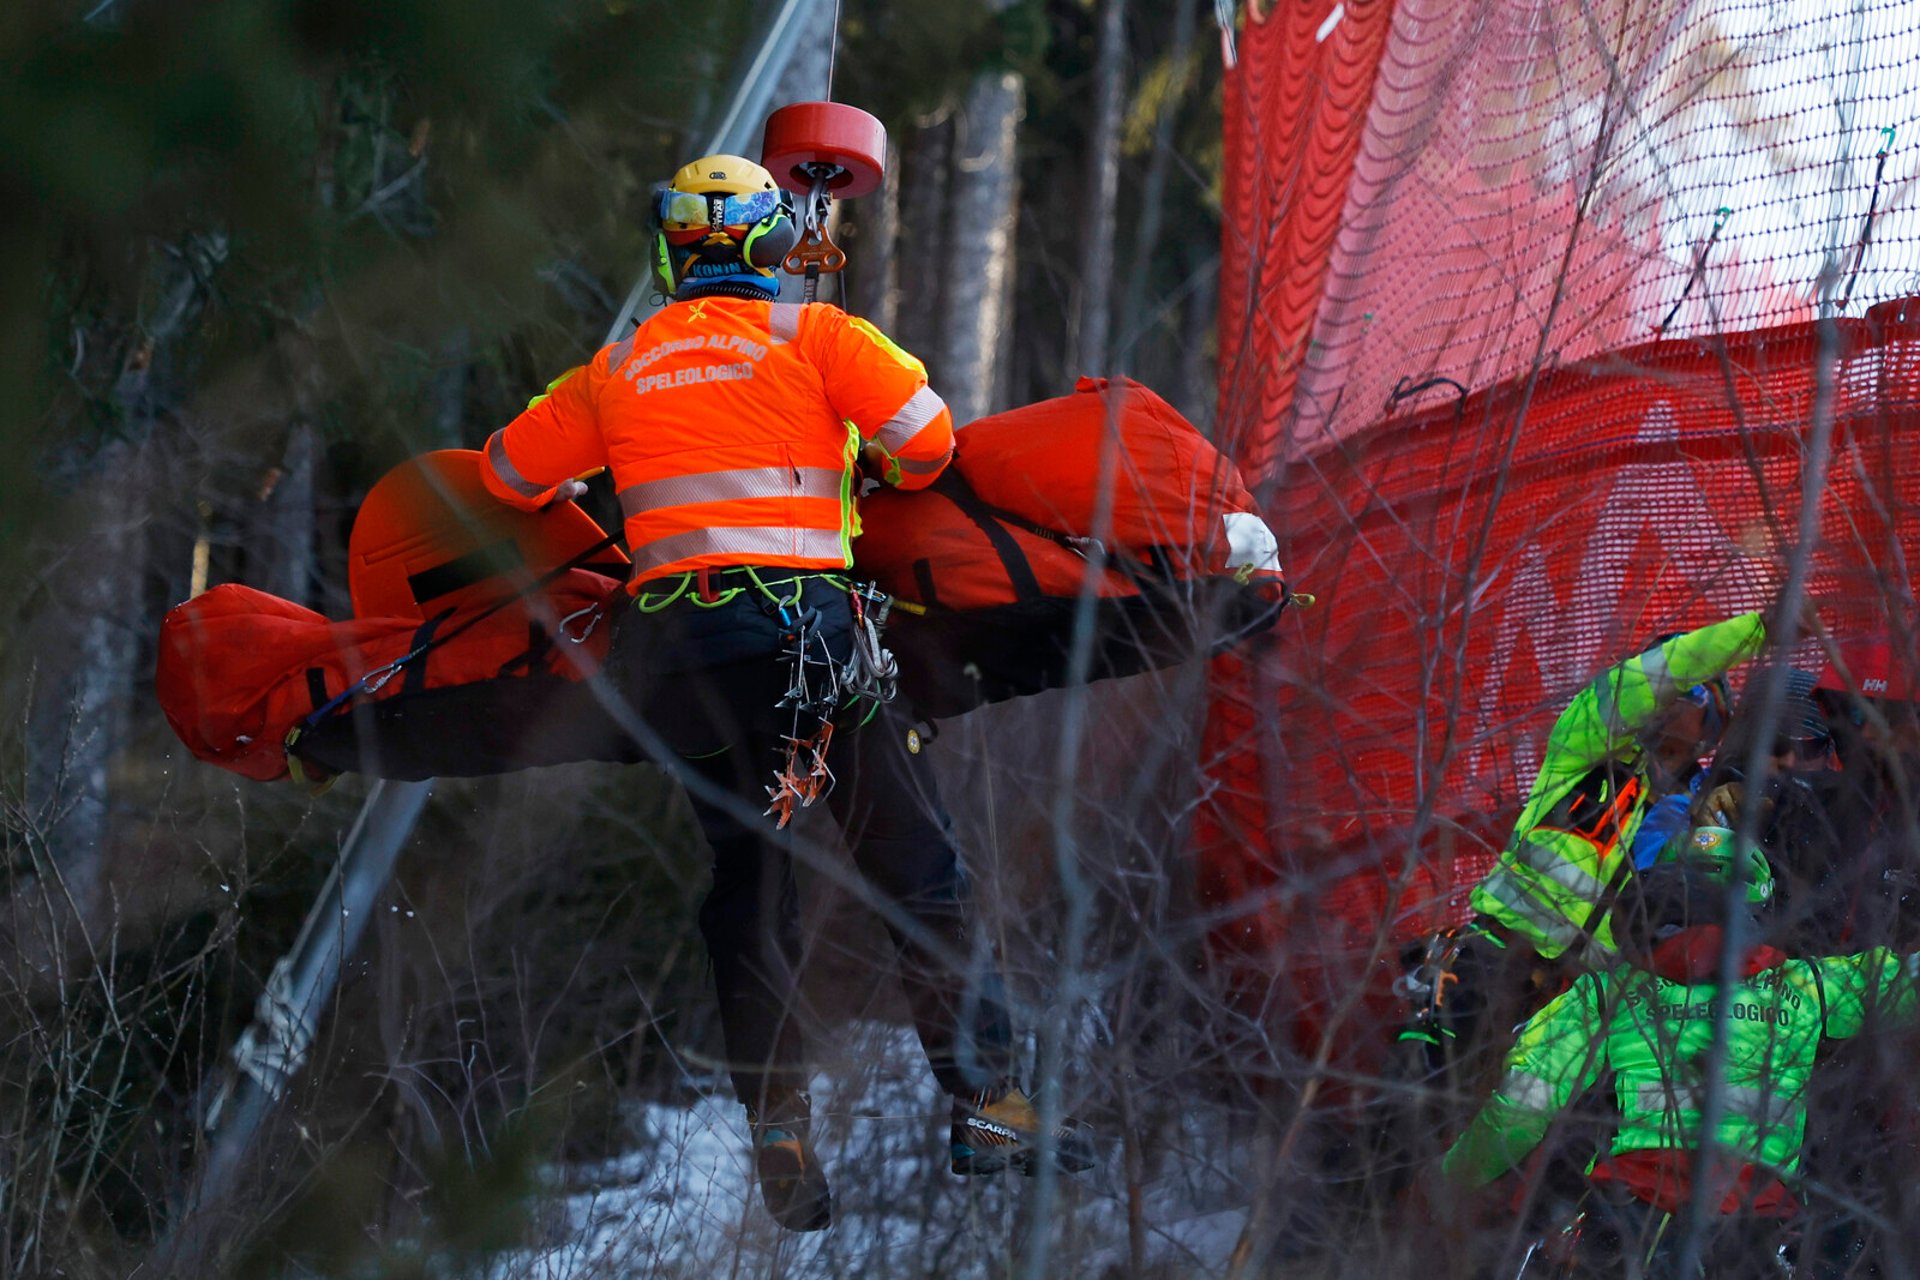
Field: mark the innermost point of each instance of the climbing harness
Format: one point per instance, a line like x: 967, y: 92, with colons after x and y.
x: 813, y: 696
x: 819, y: 687
x: 872, y: 671
x: 1424, y: 986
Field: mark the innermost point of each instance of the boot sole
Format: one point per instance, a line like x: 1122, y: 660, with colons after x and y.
x: 783, y: 1191
x: 819, y: 1220
x: 969, y: 1163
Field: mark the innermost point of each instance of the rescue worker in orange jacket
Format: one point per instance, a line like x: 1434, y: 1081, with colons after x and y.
x: 736, y: 428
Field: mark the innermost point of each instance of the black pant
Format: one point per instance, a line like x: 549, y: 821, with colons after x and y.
x: 709, y: 680
x: 1626, y: 1239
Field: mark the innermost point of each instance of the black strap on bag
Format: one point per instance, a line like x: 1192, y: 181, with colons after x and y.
x: 923, y: 579
x: 425, y: 641
x: 953, y: 486
x: 416, y: 677
x: 1157, y: 572
x: 994, y: 522
x: 539, y: 644
x: 317, y: 686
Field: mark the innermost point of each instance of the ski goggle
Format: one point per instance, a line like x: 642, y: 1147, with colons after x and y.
x: 688, y: 211
x: 1807, y: 748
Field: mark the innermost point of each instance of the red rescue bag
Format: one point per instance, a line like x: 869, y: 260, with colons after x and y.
x: 988, y: 566
x: 430, y: 537
x: 992, y: 559
x: 241, y: 672
x: 459, y: 665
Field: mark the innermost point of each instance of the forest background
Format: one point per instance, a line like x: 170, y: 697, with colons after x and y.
x: 259, y: 251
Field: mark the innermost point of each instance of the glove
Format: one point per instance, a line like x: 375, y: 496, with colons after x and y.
x: 568, y: 490
x: 1722, y: 806
x: 1719, y: 807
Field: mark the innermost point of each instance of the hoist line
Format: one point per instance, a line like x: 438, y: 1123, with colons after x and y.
x: 749, y: 103
x: 833, y: 49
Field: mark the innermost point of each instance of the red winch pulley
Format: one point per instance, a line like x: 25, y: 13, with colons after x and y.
x: 819, y: 150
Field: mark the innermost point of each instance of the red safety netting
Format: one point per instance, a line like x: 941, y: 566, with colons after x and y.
x: 1427, y: 188
x: 1296, y: 111
x: 1478, y: 562
x: 1591, y: 238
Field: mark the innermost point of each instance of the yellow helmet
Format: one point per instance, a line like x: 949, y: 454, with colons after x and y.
x: 721, y: 222
x: 728, y: 175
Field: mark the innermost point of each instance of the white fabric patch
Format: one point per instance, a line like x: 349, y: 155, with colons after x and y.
x: 1529, y: 1091
x: 1250, y: 542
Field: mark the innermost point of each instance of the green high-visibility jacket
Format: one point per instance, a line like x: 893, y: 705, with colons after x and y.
x: 1654, y: 1035
x: 1591, y: 791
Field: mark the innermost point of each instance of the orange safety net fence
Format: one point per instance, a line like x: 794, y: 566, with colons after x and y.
x: 1519, y: 347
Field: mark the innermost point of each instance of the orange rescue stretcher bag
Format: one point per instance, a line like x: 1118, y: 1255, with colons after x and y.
x: 477, y: 625
x: 477, y: 622
x: 270, y: 689
x: 1108, y: 494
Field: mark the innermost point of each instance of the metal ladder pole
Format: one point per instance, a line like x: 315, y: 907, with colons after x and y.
x: 272, y: 1050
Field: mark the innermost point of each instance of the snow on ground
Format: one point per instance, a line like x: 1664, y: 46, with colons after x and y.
x: 681, y: 1204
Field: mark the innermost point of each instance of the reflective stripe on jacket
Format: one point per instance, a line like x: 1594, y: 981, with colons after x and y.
x: 1591, y: 791
x: 731, y: 427
x: 1654, y: 1036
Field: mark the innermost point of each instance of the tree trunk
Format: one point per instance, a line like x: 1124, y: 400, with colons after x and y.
x: 1133, y: 326
x: 1087, y: 345
x: 280, y: 528
x: 1007, y: 389
x: 977, y: 263
x: 1196, y: 393
x: 97, y: 614
x: 920, y: 309
x: 90, y: 634
x: 874, y: 284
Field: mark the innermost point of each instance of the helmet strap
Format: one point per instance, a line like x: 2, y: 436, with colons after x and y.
x: 662, y: 264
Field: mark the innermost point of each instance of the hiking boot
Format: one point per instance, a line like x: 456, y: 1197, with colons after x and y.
x: 793, y: 1186
x: 998, y: 1127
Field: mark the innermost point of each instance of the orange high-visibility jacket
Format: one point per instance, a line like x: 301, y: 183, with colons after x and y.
x: 731, y: 427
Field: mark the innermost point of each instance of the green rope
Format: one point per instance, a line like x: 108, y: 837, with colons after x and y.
x: 651, y: 601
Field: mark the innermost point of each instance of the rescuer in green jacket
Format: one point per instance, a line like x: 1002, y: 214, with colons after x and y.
x: 1649, y: 1023
x: 1636, y: 732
